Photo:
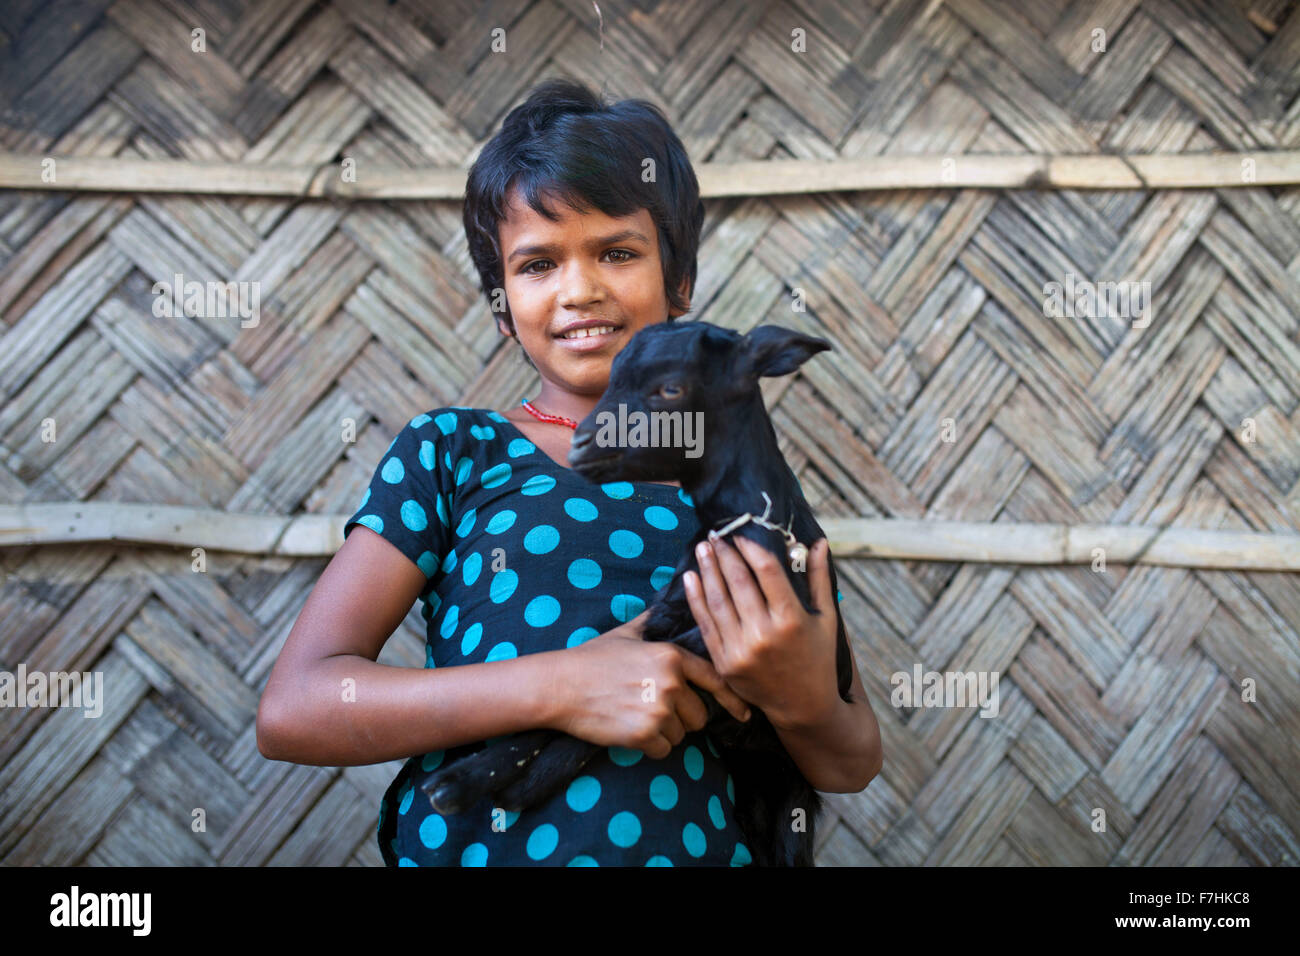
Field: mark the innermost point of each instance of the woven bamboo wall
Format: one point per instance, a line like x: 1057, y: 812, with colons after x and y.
x: 1121, y: 690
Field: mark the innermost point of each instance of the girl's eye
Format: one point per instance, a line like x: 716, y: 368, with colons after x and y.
x: 670, y: 391
x: 629, y: 256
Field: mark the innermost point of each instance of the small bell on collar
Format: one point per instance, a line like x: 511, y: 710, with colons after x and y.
x: 798, y: 555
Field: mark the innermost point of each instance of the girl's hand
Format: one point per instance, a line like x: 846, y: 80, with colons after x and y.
x: 619, y: 690
x: 763, y: 643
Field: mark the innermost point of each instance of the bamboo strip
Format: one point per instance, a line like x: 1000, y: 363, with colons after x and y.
x: 897, y: 539
x: 1006, y: 543
x: 761, y: 178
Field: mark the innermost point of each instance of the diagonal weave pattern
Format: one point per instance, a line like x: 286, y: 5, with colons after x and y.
x: 949, y: 395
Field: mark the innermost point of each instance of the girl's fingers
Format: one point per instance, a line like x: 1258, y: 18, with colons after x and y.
x: 691, y: 711
x: 716, y: 593
x: 702, y: 674
x: 745, y: 591
x: 819, y: 563
x: 674, y: 729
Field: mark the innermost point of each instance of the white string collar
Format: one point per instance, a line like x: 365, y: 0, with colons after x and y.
x: 798, y: 552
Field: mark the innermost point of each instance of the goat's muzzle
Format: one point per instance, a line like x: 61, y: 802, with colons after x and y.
x: 586, y: 459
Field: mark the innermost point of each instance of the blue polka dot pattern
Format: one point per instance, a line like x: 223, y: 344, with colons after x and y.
x: 501, y: 522
x: 502, y: 652
x: 580, y: 635
x: 470, y: 569
x: 503, y: 586
x: 583, y: 793
x: 716, y: 816
x: 393, y: 471
x: 449, y: 622
x: 693, y: 761
x: 584, y: 573
x: 543, y: 841
x: 624, y: 607
x: 663, y: 792
x: 660, y: 517
x: 624, y: 756
x: 537, y: 485
x: 433, y: 831
x: 694, y: 840
x: 542, y: 539
x: 626, y: 544
x: 413, y: 515
x: 496, y: 475
x: 662, y: 575
x: 624, y: 828
x: 580, y: 509
x: 469, y: 640
x: 542, y: 611
x: 520, y: 556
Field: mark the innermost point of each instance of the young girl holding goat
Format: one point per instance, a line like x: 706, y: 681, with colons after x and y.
x: 534, y: 580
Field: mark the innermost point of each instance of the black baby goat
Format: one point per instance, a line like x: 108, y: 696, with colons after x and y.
x: 691, y: 367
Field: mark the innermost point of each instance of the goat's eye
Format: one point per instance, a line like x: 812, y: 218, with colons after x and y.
x: 670, y: 391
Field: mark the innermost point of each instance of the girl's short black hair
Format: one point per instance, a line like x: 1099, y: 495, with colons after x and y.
x: 565, y: 141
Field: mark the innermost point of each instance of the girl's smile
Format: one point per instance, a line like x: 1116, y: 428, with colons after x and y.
x: 591, y: 341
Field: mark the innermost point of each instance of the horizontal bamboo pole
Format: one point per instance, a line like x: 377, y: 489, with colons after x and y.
x: 1007, y: 543
x: 993, y: 543
x: 760, y: 178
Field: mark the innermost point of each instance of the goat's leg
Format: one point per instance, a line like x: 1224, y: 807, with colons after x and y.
x: 497, y: 765
x: 754, y: 816
x: 555, y: 767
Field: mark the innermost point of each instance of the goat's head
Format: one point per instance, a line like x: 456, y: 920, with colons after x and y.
x: 676, y: 379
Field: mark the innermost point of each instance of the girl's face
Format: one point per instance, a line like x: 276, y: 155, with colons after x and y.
x: 585, y: 266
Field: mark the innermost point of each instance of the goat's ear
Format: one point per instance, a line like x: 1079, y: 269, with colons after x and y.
x: 719, y: 339
x: 775, y: 350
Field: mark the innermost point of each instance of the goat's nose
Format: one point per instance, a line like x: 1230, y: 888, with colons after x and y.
x: 580, y: 441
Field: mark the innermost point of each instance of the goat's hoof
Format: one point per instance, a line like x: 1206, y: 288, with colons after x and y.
x: 444, y: 796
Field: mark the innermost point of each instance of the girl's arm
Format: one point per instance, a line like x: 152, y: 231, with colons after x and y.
x: 328, y: 703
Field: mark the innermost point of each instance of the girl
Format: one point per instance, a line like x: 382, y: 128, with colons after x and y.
x: 534, y: 581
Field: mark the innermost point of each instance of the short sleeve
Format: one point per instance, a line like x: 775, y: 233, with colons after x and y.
x: 405, y: 503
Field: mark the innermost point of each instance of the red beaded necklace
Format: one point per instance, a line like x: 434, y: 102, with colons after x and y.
x: 553, y: 419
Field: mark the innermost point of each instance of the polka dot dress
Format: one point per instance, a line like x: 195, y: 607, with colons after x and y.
x: 522, y: 556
